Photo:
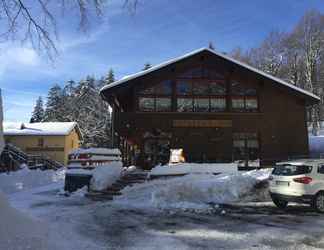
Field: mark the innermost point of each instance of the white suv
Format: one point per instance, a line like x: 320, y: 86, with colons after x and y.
x: 299, y: 181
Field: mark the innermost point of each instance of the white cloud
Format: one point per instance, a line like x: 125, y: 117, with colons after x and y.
x: 13, y: 56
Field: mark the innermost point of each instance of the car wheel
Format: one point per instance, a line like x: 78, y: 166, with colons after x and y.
x: 318, y: 202
x: 282, y: 204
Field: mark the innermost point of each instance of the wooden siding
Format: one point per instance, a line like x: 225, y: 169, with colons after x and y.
x: 280, y: 120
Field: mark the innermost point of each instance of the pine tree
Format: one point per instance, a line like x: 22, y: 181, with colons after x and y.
x: 147, y: 66
x: 110, y: 78
x: 54, y: 106
x: 38, y: 113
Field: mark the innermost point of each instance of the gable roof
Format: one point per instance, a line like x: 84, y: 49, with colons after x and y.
x: 41, y: 128
x: 244, y: 65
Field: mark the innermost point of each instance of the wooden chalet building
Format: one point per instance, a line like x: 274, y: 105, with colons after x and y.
x: 215, y: 108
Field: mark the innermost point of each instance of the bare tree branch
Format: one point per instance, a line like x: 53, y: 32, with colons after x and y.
x: 35, y: 22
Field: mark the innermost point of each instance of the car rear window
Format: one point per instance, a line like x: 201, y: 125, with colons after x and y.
x: 288, y: 170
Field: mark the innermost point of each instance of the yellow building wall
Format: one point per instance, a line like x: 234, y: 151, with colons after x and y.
x: 55, y: 147
x: 72, y: 141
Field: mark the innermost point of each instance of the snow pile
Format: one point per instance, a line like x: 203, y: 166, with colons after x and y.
x: 79, y: 171
x: 101, y: 151
x: 26, y: 179
x: 194, y: 168
x: 19, y: 232
x: 194, y: 191
x: 105, y: 175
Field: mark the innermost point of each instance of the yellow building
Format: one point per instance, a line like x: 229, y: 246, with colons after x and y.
x: 52, y: 139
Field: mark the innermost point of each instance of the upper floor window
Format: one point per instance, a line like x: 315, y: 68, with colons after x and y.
x: 243, y: 98
x: 155, y: 98
x: 40, y: 142
x: 201, y: 96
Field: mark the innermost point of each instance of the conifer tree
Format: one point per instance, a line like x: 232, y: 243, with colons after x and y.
x: 110, y: 77
x: 54, y: 106
x: 38, y: 113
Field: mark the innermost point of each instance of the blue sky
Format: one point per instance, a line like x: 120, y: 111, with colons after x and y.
x: 159, y: 30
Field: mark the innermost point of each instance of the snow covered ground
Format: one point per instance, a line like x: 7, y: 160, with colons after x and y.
x: 75, y: 222
x: 194, y: 168
x: 194, y: 191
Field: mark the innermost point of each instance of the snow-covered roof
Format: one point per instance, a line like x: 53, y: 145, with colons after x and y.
x: 40, y: 128
x: 96, y: 151
x: 244, y: 65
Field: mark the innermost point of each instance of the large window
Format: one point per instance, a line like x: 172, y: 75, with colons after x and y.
x: 155, y: 98
x: 198, y: 90
x: 201, y: 96
x: 243, y: 99
x: 245, y: 146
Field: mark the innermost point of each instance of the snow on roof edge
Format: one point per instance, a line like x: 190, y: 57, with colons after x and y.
x: 33, y: 129
x: 168, y: 62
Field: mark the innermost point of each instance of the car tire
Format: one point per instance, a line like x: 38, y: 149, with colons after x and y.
x: 318, y: 202
x: 282, y: 204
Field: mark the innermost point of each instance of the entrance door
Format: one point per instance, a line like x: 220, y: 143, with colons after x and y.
x: 156, y: 151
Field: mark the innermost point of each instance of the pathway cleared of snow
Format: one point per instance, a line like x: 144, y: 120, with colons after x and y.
x: 75, y: 222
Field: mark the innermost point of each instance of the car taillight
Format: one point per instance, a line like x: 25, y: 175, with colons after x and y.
x: 303, y: 180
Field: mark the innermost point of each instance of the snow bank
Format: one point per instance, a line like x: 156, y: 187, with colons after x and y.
x: 79, y: 171
x: 194, y: 190
x: 18, y: 231
x: 194, y: 168
x: 105, y: 175
x: 103, y: 151
x: 26, y: 179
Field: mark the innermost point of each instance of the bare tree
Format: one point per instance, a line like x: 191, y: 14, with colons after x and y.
x: 269, y: 56
x: 309, y: 39
x: 35, y: 21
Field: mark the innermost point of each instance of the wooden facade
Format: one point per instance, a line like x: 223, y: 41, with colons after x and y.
x: 212, y: 107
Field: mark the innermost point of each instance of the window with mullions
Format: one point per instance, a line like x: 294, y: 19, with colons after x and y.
x: 243, y: 99
x: 245, y: 146
x: 155, y: 98
x: 201, y: 96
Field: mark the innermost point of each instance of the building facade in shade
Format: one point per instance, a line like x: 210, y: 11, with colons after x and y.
x: 211, y: 106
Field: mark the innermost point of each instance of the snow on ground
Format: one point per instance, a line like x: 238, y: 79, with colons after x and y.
x: 78, y: 223
x: 187, y: 168
x: 196, y: 191
x: 18, y: 231
x: 26, y: 179
x: 105, y: 175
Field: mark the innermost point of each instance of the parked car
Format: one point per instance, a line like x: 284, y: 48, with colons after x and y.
x: 300, y: 181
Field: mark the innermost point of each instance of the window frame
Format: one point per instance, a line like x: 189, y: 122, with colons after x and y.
x: 244, y: 95
x: 194, y: 96
x: 154, y: 95
x: 246, y: 137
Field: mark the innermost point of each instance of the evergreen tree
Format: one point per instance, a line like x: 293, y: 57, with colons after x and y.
x: 38, y: 113
x: 54, y: 106
x: 147, y: 66
x: 110, y: 78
